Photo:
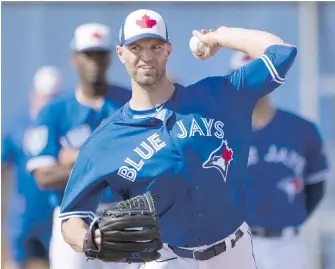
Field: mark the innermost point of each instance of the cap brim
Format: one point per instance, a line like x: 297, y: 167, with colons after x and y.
x: 142, y: 36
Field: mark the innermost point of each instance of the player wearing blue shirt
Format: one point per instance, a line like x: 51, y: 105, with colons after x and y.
x: 28, y: 220
x: 65, y: 124
x: 187, y: 145
x: 286, y: 172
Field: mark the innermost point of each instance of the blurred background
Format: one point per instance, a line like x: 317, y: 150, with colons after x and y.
x: 36, y: 34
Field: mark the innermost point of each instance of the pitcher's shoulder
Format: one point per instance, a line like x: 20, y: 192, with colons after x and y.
x: 106, y: 131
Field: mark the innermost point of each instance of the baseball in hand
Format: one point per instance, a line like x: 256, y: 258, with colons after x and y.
x: 196, y: 46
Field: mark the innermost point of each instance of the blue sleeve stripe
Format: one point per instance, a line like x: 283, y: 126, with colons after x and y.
x: 78, y: 214
x: 274, y: 74
x: 317, y: 177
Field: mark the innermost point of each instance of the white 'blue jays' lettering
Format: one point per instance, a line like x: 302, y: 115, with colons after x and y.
x: 289, y: 158
x: 146, y: 152
x: 206, y: 130
x: 130, y: 173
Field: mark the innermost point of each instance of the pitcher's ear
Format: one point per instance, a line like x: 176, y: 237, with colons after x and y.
x: 119, y: 52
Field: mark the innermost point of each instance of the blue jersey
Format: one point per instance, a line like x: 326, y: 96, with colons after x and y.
x: 66, y: 123
x: 29, y: 211
x: 194, y: 158
x: 284, y: 156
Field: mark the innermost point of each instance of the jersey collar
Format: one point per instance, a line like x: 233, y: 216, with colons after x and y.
x: 127, y: 114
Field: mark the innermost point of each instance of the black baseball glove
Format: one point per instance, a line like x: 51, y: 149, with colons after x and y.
x: 129, y: 232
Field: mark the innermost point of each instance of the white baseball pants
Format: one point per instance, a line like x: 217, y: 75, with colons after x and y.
x: 280, y: 252
x: 239, y: 257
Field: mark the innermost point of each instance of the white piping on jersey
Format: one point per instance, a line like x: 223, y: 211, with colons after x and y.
x: 317, y: 177
x: 274, y: 74
x: 40, y: 162
x: 77, y: 214
x: 159, y: 108
x: 273, y: 68
x: 160, y: 114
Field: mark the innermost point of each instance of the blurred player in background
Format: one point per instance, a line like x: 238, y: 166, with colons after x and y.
x: 65, y: 124
x: 285, y: 181
x: 28, y: 221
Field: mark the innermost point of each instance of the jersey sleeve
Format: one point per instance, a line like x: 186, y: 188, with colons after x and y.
x: 316, y: 168
x: 263, y: 75
x: 84, y: 190
x: 44, y: 141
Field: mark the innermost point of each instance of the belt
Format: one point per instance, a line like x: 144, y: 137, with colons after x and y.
x: 206, y: 254
x: 289, y: 231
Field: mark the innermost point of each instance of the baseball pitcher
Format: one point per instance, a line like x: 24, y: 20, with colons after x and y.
x: 186, y: 146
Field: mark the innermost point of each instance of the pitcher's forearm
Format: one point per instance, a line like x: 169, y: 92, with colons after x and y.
x: 252, y: 42
x: 53, y: 177
x: 74, y: 231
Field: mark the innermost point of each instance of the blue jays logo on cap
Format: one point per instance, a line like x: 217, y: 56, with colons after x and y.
x: 220, y: 159
x: 91, y: 37
x: 146, y: 22
x: 141, y: 24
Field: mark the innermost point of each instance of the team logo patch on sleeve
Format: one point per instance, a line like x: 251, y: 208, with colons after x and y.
x: 36, y: 139
x: 220, y: 159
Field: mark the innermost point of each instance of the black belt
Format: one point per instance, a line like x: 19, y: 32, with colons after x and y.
x: 206, y: 254
x: 274, y: 232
